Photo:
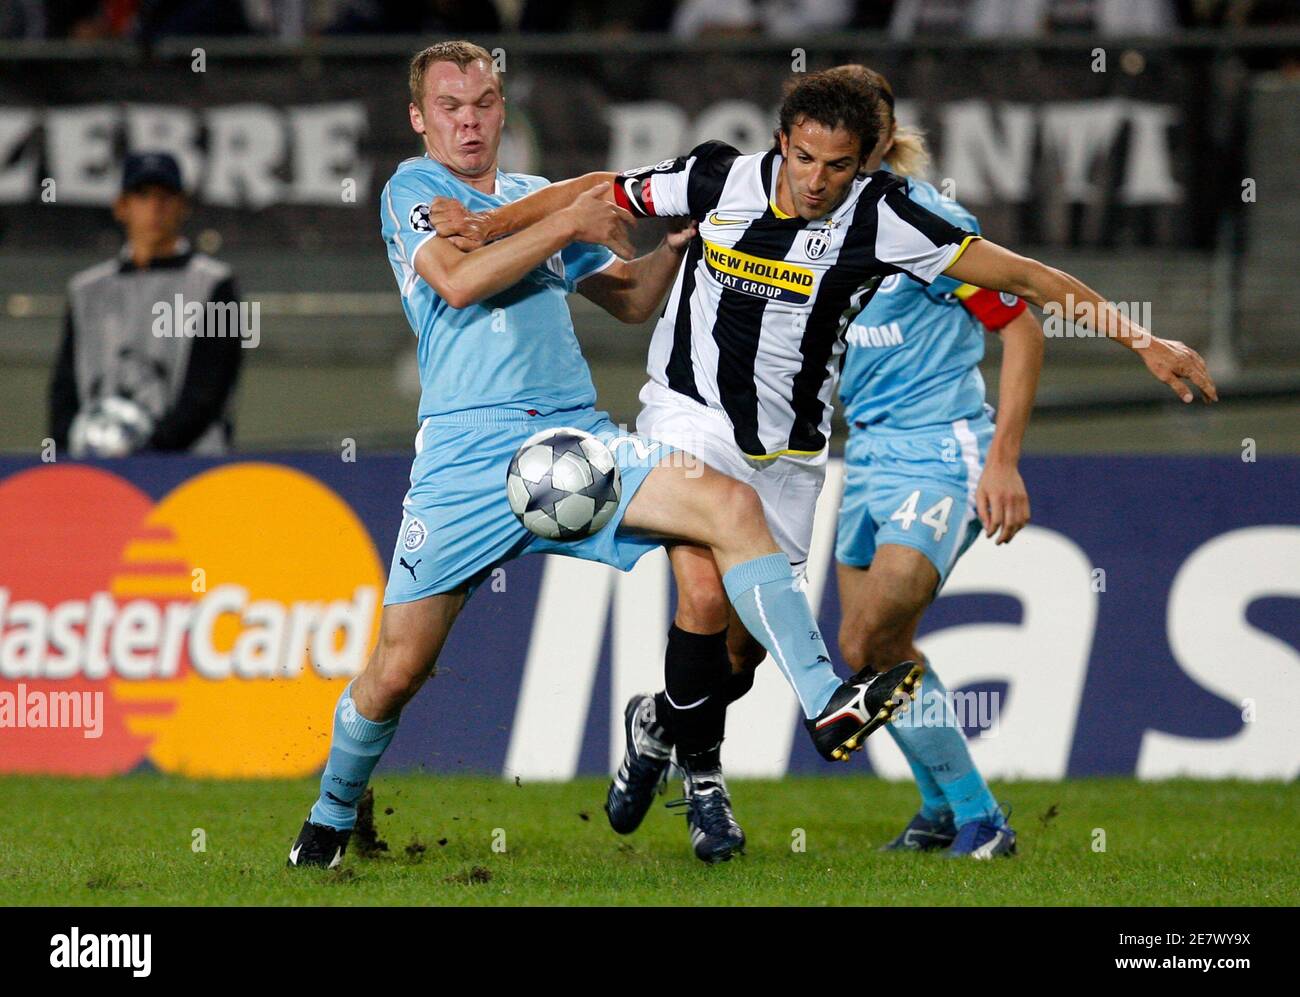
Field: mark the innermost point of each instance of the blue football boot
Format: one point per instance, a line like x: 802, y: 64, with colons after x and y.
x: 924, y: 835
x: 983, y: 839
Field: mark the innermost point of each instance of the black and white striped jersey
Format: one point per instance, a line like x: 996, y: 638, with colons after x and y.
x: 756, y: 320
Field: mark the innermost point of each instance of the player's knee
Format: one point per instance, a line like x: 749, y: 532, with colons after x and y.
x: 393, y: 688
x: 398, y: 672
x: 737, y: 509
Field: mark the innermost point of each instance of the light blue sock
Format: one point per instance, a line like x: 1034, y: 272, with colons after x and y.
x: 934, y: 805
x: 777, y: 614
x: 354, y: 752
x: 929, y: 733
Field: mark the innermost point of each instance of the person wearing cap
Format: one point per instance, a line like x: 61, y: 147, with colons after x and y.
x: 140, y: 367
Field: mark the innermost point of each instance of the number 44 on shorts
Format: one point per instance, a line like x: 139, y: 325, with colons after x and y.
x: 935, y: 517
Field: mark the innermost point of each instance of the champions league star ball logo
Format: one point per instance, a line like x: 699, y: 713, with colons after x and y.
x: 419, y: 218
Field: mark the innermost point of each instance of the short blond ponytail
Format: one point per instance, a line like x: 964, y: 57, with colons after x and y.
x: 909, y: 156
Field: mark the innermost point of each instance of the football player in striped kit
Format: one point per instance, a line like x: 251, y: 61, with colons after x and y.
x: 792, y: 243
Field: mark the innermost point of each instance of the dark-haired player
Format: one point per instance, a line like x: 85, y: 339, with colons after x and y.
x: 791, y: 245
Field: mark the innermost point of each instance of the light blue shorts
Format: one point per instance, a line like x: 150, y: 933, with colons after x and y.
x: 914, y: 488
x: 457, y: 524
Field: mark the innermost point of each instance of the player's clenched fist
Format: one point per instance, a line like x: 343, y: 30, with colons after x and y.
x: 600, y: 221
x: 466, y: 230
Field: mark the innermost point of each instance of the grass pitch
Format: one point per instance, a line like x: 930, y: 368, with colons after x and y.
x: 136, y: 840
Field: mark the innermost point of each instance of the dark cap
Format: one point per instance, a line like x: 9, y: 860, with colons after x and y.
x: 143, y: 168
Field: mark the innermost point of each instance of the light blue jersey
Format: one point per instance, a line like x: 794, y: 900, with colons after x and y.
x: 914, y: 351
x: 492, y: 374
x: 514, y: 350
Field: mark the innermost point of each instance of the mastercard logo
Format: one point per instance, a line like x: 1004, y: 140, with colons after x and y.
x: 208, y: 633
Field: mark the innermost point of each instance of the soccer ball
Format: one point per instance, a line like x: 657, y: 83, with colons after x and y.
x: 563, y: 484
x: 109, y: 427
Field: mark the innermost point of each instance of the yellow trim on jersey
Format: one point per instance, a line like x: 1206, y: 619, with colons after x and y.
x: 779, y: 214
x: 964, y: 291
x: 960, y: 249
x: 784, y: 453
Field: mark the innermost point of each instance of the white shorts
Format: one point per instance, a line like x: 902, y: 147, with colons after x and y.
x: 787, y: 486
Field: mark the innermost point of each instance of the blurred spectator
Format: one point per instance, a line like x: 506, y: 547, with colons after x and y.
x: 389, y: 17
x: 141, y: 367
x: 1029, y: 18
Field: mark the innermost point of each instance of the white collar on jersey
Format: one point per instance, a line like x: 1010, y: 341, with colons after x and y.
x: 496, y: 180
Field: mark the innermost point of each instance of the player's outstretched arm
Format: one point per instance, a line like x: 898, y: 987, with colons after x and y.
x: 685, y: 187
x: 986, y: 264
x: 1001, y: 500
x: 462, y: 279
x: 631, y: 291
x: 469, y: 230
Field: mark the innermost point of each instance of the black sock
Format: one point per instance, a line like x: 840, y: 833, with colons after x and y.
x: 691, y: 707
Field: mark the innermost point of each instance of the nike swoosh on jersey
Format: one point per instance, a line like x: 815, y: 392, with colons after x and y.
x: 716, y: 219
